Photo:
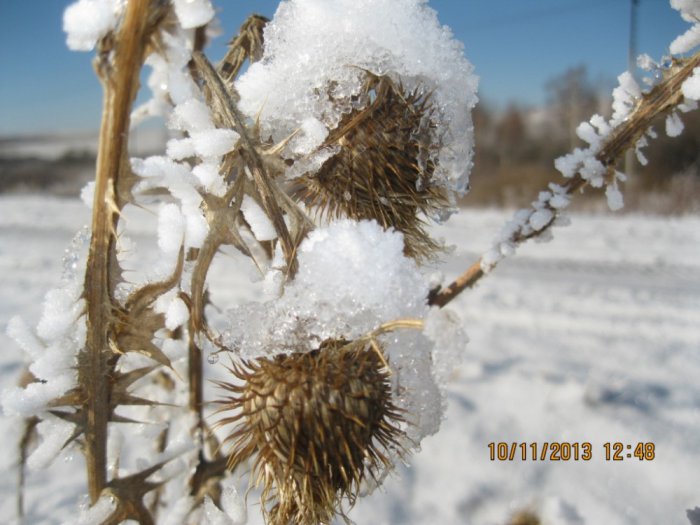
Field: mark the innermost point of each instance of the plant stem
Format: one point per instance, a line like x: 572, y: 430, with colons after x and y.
x: 120, y: 83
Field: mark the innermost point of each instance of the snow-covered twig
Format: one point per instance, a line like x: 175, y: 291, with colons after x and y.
x: 593, y: 166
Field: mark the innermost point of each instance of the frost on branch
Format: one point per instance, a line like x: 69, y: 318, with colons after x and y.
x: 690, y: 11
x: 86, y: 21
x: 672, y: 88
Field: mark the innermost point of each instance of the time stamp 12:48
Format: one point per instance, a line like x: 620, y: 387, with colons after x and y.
x: 569, y: 451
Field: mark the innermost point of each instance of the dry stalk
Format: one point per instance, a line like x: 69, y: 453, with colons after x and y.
x: 247, y: 45
x: 120, y: 83
x: 662, y: 99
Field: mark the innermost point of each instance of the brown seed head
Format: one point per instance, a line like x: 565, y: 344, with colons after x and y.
x: 319, y: 423
x: 383, y: 169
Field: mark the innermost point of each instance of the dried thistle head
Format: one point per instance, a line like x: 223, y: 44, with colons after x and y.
x: 384, y: 168
x: 318, y: 423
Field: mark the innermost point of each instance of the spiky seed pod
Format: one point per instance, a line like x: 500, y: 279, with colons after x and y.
x: 383, y: 170
x: 318, y: 422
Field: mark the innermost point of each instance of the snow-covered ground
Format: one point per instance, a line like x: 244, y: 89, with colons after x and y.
x: 593, y: 337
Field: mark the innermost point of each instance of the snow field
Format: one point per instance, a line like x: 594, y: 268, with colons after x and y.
x: 592, y: 337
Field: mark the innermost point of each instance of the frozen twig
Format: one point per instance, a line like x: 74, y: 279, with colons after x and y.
x: 661, y: 100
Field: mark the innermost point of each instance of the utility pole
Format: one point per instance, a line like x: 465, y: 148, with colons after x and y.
x: 632, y: 51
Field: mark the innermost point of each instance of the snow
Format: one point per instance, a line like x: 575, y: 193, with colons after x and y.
x: 192, y: 115
x: 687, y: 41
x: 171, y: 228
x: 87, y: 21
x: 625, y: 97
x: 317, y: 53
x: 444, y: 329
x: 214, y: 142
x: 674, y: 125
x: 232, y: 502
x: 87, y: 194
x: 213, y: 515
x: 312, y: 132
x: 178, y: 149
x: 592, y: 337
x: 325, y: 300
x: 177, y: 314
x: 691, y: 87
x: 614, y: 197
x: 209, y: 177
x: 259, y: 222
x: 540, y: 218
x: 53, y: 433
x: 193, y: 13
x: 98, y: 513
x: 353, y: 277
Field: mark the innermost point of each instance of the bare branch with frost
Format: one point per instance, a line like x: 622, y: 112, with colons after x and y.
x: 594, y: 166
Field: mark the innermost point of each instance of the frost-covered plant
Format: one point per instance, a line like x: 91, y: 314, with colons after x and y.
x: 322, y: 165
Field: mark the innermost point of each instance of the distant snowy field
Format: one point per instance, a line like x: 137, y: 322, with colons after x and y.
x: 593, y: 337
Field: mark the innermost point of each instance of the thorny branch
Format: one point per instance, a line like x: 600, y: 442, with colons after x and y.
x: 255, y: 165
x: 120, y: 83
x: 662, y: 99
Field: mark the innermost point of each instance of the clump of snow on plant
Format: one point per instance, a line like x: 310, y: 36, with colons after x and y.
x: 691, y: 87
x: 352, y: 278
x: 233, y: 508
x: 444, y: 328
x: 259, y: 222
x: 317, y: 54
x: 53, y: 435
x: 98, y: 513
x: 170, y: 82
x: 178, y: 179
x: 86, y: 21
x: 51, y: 348
x: 60, y: 331
x: 193, y: 13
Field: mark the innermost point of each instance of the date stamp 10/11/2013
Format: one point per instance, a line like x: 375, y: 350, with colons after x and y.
x: 569, y: 451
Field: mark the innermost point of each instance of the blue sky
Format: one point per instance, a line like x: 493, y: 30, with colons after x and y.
x: 516, y: 46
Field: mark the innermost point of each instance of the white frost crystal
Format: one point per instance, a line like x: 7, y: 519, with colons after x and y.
x: 193, y: 13
x: 86, y: 21
x: 54, y: 433
x: 690, y: 11
x: 171, y: 228
x: 214, y: 142
x: 444, y: 328
x: 317, y: 53
x: 97, y: 514
x: 674, y: 125
x: 258, y: 221
x: 691, y: 87
x: 177, y: 314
